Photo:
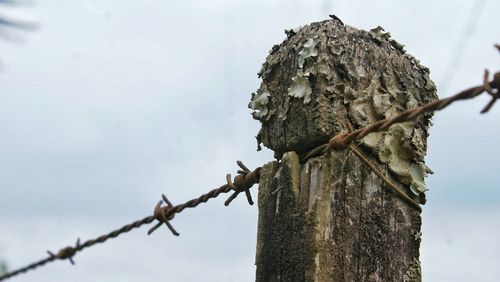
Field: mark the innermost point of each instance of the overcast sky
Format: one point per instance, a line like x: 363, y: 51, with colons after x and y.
x: 109, y: 104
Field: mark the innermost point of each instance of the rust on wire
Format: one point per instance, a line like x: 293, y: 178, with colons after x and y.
x: 159, y: 214
x: 163, y: 214
x: 385, y: 179
x: 491, y: 88
x: 245, y: 178
x: 343, y: 140
x: 66, y: 253
x: 242, y: 182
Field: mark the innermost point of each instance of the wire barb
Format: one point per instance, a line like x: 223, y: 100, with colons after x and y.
x: 242, y: 182
x: 160, y: 214
x: 163, y: 214
x: 66, y: 253
x: 343, y: 140
x: 245, y: 179
x: 489, y: 88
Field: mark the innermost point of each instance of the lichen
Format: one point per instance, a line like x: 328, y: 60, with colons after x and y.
x: 418, y: 172
x: 379, y: 35
x: 414, y: 273
x: 358, y: 78
x: 300, y: 87
x: 321, y: 67
x: 258, y: 103
x: 398, y: 46
x: 309, y: 50
x: 400, y: 147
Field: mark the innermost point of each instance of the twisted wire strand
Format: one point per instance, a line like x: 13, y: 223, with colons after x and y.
x: 149, y: 219
x: 115, y: 233
x: 70, y: 252
x: 27, y: 268
x: 247, y: 179
x: 201, y: 199
x: 342, y: 141
x: 385, y: 179
x: 86, y: 244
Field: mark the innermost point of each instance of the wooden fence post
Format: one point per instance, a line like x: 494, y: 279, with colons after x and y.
x: 332, y: 217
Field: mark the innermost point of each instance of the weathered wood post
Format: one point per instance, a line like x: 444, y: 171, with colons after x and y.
x: 332, y: 217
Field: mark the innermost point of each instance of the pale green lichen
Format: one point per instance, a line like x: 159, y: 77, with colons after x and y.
x: 414, y: 273
x: 418, y: 140
x: 309, y: 50
x: 300, y: 87
x: 372, y: 140
x: 321, y: 67
x: 382, y: 103
x: 258, y: 103
x: 398, y: 46
x: 378, y: 34
x: 397, y: 147
x: 338, y: 63
x: 418, y: 172
x: 402, y: 146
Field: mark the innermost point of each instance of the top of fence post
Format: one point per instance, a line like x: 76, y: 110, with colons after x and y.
x: 327, y: 77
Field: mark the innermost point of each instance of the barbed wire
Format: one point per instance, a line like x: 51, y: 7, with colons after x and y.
x: 342, y: 141
x: 402, y: 195
x: 242, y: 182
x: 245, y: 179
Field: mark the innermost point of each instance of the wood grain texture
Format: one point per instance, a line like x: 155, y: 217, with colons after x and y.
x: 326, y: 78
x: 332, y: 218
x: 335, y: 222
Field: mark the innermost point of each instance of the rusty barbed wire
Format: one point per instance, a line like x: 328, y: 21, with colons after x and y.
x: 245, y: 179
x: 385, y: 179
x: 242, y: 182
x: 342, y: 141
